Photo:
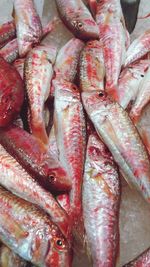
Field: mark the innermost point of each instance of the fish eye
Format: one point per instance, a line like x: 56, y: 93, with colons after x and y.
x: 74, y: 88
x: 101, y: 94
x: 80, y: 25
x: 52, y: 176
x: 59, y: 243
x: 142, y: 75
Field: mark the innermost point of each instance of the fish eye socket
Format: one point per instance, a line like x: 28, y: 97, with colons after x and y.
x: 80, y: 25
x: 74, y: 88
x: 52, y: 176
x: 59, y: 243
x: 101, y: 94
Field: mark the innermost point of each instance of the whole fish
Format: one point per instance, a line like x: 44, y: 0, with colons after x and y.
x: 7, y: 32
x: 10, y: 51
x: 18, y: 181
x: 138, y: 48
x: 69, y: 123
x: 112, y: 30
x: 67, y: 61
x: 101, y: 197
x: 11, y: 92
x: 28, y: 25
x: 78, y: 19
x: 34, y: 157
x: 19, y: 65
x: 38, y: 75
x: 142, y: 99
x: 142, y: 260
x: 30, y: 233
x: 10, y: 259
x: 114, y: 126
x: 92, y: 69
x: 129, y: 81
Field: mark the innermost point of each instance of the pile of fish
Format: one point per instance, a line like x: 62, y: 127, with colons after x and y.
x: 70, y: 127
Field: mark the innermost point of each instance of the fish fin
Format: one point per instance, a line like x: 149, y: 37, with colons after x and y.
x: 144, y: 17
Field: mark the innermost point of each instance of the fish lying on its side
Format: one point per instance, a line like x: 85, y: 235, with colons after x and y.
x: 30, y: 233
x: 141, y: 261
x: 116, y: 129
x: 28, y: 25
x: 101, y: 197
x: 78, y: 19
x: 10, y: 51
x: 7, y: 32
x: 38, y: 75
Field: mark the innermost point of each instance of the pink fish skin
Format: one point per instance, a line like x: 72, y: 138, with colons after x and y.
x: 34, y: 157
x: 142, y: 99
x: 142, y: 260
x: 93, y: 6
x: 11, y: 92
x: 69, y: 123
x: 28, y: 25
x: 116, y: 129
x: 78, y: 19
x: 38, y: 74
x: 7, y: 32
x: 138, y: 48
x: 67, y: 61
x: 10, y: 51
x: 30, y: 233
x: 101, y: 198
x: 129, y: 81
x: 15, y: 179
x: 19, y: 65
x: 92, y: 69
x: 110, y: 20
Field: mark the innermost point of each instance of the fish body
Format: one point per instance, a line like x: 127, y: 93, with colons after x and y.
x: 78, y: 19
x: 142, y: 99
x: 38, y: 75
x: 10, y: 51
x: 15, y: 179
x: 101, y: 197
x: 11, y: 93
x: 92, y: 69
x: 69, y: 123
x: 10, y: 259
x: 138, y: 48
x: 110, y: 20
x: 141, y: 261
x: 7, y: 32
x: 28, y: 25
x: 19, y: 65
x: 34, y: 157
x: 30, y: 233
x: 129, y: 81
x: 114, y: 126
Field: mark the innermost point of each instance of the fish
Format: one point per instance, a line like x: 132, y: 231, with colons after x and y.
x: 129, y: 82
x: 28, y: 25
x: 66, y: 63
x: 10, y: 259
x: 117, y: 131
x: 138, y: 48
x: 34, y: 157
x: 92, y: 68
x: 112, y: 30
x: 19, y: 65
x: 10, y: 51
x: 78, y: 19
x: 142, y: 99
x: 15, y: 179
x: 11, y: 91
x: 38, y: 75
x: 30, y: 233
x: 7, y: 32
x: 70, y: 131
x: 142, y: 260
x: 101, y: 199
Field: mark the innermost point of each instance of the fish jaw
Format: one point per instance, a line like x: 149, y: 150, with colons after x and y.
x: 28, y: 24
x: 11, y: 93
x: 101, y: 198
x: 78, y: 19
x: 92, y: 69
x: 121, y: 137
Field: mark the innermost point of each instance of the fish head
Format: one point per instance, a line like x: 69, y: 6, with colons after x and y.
x: 66, y: 91
x: 84, y: 27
